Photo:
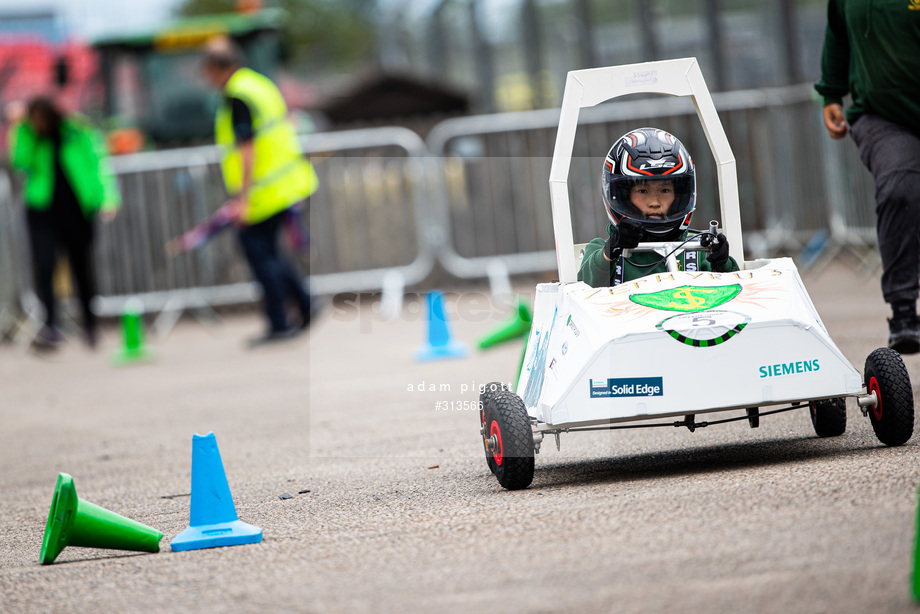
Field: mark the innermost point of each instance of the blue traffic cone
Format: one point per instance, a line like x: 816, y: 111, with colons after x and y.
x: 439, y: 345
x: 212, y: 517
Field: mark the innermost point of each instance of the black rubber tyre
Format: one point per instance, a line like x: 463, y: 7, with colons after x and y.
x: 829, y: 417
x: 486, y: 397
x: 893, y: 417
x: 488, y: 389
x: 505, y: 418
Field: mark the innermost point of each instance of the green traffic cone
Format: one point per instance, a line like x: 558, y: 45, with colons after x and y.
x: 521, y: 364
x: 75, y: 522
x: 516, y: 327
x: 132, y: 324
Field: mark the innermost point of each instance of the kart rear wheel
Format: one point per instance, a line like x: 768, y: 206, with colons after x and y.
x: 893, y: 415
x: 507, y: 438
x: 829, y: 417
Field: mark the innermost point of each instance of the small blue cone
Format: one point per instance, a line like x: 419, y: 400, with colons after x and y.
x: 212, y: 518
x: 814, y: 248
x: 440, y: 345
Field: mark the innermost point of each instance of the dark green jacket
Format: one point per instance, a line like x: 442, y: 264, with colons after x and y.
x: 872, y: 52
x: 83, y: 160
x: 598, y: 273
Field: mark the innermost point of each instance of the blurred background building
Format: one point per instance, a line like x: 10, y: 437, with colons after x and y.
x: 368, y: 62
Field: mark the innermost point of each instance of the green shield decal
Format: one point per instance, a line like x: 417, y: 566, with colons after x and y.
x: 688, y: 298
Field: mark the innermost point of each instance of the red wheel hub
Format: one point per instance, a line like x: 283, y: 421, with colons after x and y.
x: 498, y: 452
x: 877, y: 410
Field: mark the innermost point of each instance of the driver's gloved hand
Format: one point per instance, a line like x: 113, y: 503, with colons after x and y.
x: 718, y: 256
x: 626, y: 235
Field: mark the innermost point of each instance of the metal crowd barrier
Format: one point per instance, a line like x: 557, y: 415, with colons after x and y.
x: 9, y: 259
x: 476, y: 198
x: 494, y: 203
x: 367, y: 222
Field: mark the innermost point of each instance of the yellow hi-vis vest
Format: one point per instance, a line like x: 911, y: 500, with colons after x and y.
x: 281, y: 176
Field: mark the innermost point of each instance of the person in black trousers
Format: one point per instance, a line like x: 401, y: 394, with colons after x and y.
x: 871, y: 52
x: 265, y: 175
x: 67, y: 184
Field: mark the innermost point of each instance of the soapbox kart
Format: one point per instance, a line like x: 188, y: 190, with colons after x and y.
x: 609, y: 358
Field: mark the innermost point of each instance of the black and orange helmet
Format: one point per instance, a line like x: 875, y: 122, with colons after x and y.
x: 645, y: 155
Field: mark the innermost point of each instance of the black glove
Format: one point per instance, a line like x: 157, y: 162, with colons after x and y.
x: 625, y: 235
x: 718, y: 255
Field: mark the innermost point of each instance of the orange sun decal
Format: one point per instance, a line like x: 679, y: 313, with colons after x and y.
x: 616, y: 302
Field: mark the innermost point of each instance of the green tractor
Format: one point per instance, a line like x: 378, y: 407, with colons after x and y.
x: 153, y: 90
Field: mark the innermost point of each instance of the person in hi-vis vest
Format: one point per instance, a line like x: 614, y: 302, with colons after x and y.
x: 265, y: 174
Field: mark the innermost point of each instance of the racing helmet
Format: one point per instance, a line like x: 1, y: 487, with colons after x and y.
x: 638, y: 158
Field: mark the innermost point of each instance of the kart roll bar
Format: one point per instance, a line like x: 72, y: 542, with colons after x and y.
x: 590, y: 87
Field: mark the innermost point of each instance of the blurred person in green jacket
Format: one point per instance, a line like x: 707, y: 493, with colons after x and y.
x: 648, y: 184
x: 872, y: 52
x: 67, y: 185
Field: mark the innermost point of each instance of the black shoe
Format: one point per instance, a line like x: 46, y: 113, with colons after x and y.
x: 91, y: 336
x: 275, y: 336
x: 48, y: 339
x: 905, y: 335
x: 317, y: 304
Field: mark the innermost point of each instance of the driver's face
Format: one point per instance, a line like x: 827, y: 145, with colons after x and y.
x: 653, y: 198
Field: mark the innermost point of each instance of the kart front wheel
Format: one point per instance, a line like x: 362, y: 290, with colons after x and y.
x: 892, y: 416
x: 485, y: 397
x: 508, y: 438
x: 829, y: 417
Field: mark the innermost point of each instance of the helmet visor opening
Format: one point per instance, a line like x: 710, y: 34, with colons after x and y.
x: 652, y: 198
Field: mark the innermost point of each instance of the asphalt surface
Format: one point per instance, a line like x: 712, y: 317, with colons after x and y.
x: 393, y: 507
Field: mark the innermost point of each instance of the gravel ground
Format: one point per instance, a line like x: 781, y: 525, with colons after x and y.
x: 401, y: 513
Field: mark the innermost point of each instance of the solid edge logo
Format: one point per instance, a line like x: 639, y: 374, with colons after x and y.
x: 621, y: 387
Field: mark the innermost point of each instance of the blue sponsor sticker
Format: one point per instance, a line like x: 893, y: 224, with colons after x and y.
x: 626, y: 387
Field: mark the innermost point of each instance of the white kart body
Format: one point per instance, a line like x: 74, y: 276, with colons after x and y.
x: 646, y: 349
x: 673, y: 344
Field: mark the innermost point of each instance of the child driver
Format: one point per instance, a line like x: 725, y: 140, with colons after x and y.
x: 649, y: 189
